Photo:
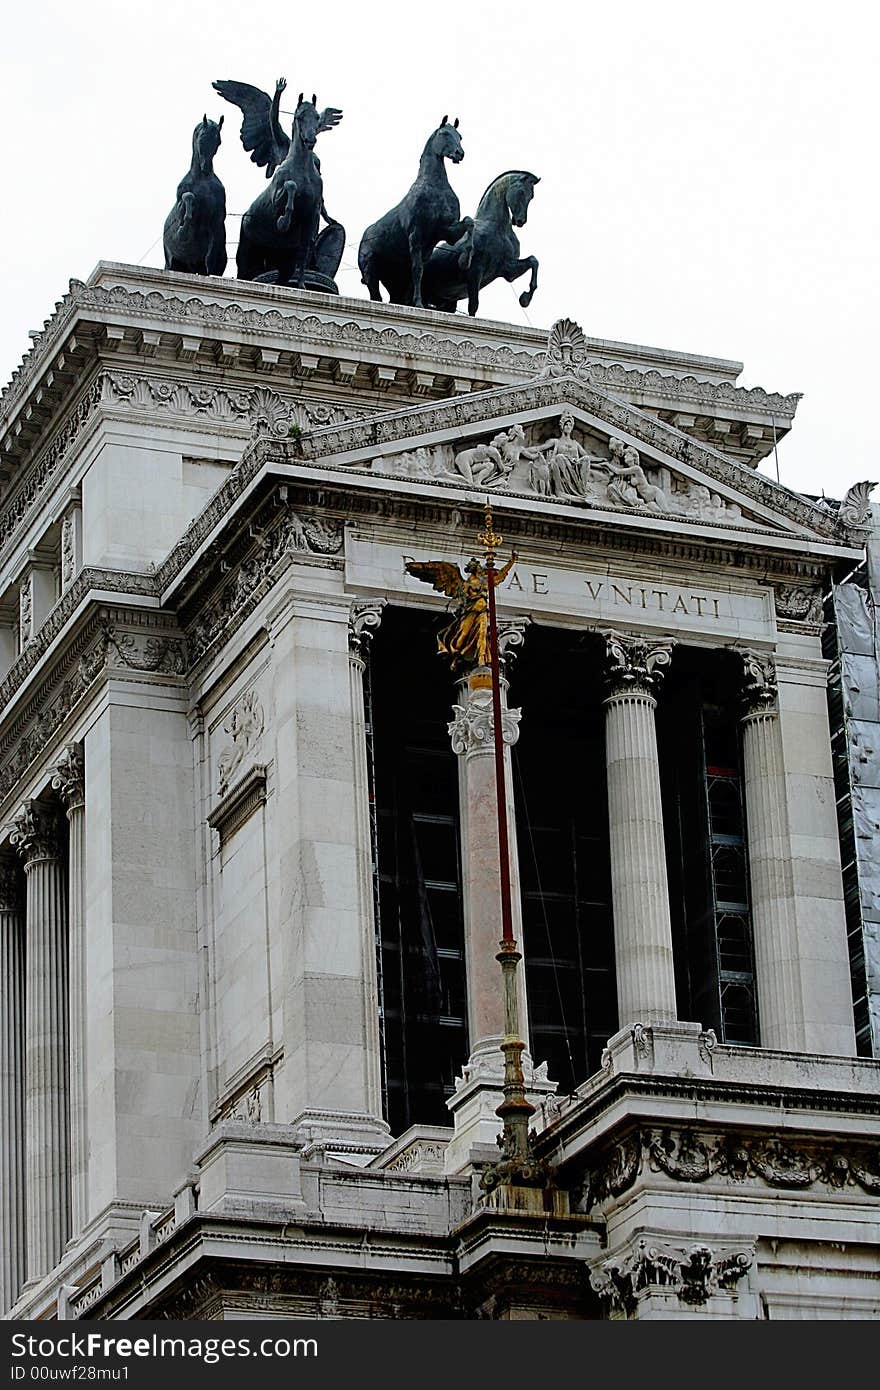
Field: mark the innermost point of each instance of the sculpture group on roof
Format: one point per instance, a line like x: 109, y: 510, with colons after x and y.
x: 422, y: 251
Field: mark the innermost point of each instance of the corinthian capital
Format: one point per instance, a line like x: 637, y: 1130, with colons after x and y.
x: 636, y: 665
x: 35, y: 833
x: 69, y: 777
x: 473, y: 728
x: 759, y: 682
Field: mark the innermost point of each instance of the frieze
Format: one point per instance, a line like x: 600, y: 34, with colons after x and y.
x: 253, y: 409
x: 294, y: 536
x: 102, y: 646
x: 696, y: 1156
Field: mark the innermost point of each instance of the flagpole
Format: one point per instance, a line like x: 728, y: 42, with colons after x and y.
x: 517, y: 1164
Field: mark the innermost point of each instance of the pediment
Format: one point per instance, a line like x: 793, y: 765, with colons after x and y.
x: 560, y: 441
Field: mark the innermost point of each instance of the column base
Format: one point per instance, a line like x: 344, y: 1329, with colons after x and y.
x: 478, y: 1093
x: 680, y: 1049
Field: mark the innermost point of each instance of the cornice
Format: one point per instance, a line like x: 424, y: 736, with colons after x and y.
x: 354, y: 327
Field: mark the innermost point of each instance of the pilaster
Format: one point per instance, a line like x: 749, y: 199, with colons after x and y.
x: 639, y: 887
x: 328, y: 1085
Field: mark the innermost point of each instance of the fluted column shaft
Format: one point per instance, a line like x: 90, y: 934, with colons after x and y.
x: 12, y: 1093
x: 46, y: 1048
x: 69, y: 781
x: 776, y: 961
x: 472, y: 737
x: 365, y: 618
x: 639, y: 886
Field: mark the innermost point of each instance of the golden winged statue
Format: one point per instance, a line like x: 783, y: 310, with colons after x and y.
x: 466, y: 639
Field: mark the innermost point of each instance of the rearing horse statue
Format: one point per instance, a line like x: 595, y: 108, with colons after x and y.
x: 279, y: 232
x: 489, y: 250
x: 393, y: 250
x: 195, y: 229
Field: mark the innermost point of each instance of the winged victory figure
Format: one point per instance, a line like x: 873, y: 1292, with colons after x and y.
x: 466, y: 639
x: 279, y: 240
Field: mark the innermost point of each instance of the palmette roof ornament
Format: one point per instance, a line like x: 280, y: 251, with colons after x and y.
x: 856, y: 506
x: 566, y: 349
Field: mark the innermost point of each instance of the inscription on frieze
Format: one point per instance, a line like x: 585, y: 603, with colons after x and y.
x: 594, y: 595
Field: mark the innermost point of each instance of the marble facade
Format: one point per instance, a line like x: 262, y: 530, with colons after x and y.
x: 211, y: 489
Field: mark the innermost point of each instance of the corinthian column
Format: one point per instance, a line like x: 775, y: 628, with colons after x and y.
x: 639, y: 888
x: 69, y: 781
x: 12, y: 1207
x: 776, y: 964
x: 46, y: 1037
x: 471, y: 732
x: 365, y: 617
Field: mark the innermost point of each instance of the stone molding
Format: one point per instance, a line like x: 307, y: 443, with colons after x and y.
x: 246, y: 410
x: 635, y: 665
x: 363, y: 622
x: 696, y: 1155
x: 118, y: 581
x: 36, y: 832
x: 104, y: 645
x: 69, y: 777
x: 694, y: 1273
x: 472, y: 730
x: 760, y: 694
x: 570, y: 390
x: 295, y: 536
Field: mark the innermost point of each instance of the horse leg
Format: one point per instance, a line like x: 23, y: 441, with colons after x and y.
x: 519, y: 268
x: 285, y: 201
x: 473, y: 284
x: 416, y: 262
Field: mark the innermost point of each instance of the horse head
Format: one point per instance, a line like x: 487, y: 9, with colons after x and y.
x: 445, y: 143
x: 206, y: 142
x: 309, y: 122
x: 520, y: 192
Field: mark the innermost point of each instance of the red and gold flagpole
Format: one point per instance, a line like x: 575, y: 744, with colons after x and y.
x: 517, y: 1164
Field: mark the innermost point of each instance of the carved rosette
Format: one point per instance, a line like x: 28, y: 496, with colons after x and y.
x: 69, y: 777
x: 759, y: 683
x: 635, y: 665
x: 473, y: 728
x: 365, y: 617
x: 36, y: 832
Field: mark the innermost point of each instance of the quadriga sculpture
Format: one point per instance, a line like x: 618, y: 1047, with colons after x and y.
x: 279, y: 238
x: 195, y: 228
x: 393, y: 251
x: 488, y: 250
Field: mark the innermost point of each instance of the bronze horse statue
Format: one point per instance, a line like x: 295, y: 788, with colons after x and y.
x: 195, y: 229
x: 393, y: 251
x: 488, y: 250
x: 279, y: 238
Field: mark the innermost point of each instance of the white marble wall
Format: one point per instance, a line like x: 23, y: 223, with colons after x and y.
x: 143, y: 1046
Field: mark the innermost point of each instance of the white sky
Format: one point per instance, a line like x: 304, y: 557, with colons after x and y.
x: 708, y: 173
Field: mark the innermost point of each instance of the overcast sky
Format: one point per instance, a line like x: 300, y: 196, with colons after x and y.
x: 708, y: 173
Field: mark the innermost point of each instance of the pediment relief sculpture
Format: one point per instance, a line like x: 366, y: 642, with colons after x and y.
x: 554, y: 459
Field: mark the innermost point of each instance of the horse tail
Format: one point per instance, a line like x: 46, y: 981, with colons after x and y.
x: 187, y: 202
